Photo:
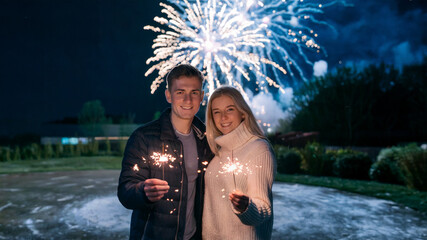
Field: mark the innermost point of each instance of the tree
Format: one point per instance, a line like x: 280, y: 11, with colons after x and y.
x: 91, y: 116
x: 335, y: 105
x: 375, y: 106
x: 93, y: 112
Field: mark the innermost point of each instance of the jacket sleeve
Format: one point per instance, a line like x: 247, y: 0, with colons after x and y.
x: 260, y: 181
x: 135, y: 170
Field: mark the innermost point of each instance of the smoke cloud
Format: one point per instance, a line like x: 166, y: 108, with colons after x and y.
x: 269, y: 110
x: 320, y: 68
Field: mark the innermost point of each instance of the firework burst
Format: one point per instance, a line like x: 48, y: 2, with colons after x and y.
x: 234, y: 41
x: 213, y: 37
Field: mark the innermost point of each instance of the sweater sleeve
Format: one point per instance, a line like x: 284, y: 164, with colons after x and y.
x: 135, y: 171
x: 260, y: 183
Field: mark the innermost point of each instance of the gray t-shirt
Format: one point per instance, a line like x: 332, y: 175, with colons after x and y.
x: 191, y: 166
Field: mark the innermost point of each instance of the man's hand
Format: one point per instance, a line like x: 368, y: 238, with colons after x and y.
x: 239, y: 200
x: 155, y: 189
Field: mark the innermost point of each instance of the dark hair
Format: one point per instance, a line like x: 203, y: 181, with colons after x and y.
x: 183, y: 70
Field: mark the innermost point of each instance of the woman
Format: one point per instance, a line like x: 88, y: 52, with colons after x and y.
x: 238, y: 143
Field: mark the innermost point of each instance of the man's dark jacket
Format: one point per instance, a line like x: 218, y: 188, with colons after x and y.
x: 164, y: 219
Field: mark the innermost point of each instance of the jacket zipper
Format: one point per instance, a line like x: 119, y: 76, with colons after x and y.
x: 145, y: 228
x: 202, y: 178
x: 180, y: 193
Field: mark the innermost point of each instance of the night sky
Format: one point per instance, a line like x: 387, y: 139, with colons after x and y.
x: 58, y: 54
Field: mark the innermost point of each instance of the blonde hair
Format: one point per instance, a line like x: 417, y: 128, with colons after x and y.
x: 249, y: 121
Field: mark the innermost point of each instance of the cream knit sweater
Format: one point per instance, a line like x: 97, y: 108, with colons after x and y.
x: 254, y: 178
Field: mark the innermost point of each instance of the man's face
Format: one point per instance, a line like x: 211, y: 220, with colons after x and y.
x: 185, y: 96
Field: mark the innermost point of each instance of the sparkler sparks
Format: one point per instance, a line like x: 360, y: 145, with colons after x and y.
x: 232, y: 167
x: 235, y: 167
x: 161, y: 159
x: 135, y: 168
x: 234, y: 41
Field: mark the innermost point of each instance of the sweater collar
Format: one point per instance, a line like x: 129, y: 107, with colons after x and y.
x: 236, y: 138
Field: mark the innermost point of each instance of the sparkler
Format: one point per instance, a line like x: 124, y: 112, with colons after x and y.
x: 160, y: 159
x: 237, y: 40
x: 232, y: 166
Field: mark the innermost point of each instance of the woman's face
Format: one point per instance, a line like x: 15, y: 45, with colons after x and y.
x: 225, y: 114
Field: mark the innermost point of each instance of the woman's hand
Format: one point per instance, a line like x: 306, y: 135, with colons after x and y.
x: 239, y: 200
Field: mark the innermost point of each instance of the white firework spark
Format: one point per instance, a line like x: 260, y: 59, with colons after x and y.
x: 218, y: 40
x: 236, y: 41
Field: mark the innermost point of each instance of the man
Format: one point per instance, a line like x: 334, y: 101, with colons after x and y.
x: 162, y: 175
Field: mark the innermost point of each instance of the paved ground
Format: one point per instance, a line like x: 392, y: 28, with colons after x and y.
x: 83, y: 205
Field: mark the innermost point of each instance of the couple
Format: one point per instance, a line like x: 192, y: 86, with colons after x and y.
x: 176, y: 186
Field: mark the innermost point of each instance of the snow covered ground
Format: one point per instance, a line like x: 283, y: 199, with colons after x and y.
x: 83, y: 205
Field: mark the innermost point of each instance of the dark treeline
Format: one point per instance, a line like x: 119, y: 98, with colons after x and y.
x: 377, y: 106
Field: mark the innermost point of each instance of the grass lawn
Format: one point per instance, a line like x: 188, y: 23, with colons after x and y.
x: 399, y: 194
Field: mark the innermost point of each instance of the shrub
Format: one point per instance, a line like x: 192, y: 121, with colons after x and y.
x: 353, y: 166
x: 108, y: 147
x: 386, y: 168
x: 59, y: 150
x: 328, y: 159
x: 32, y: 151
x: 413, y: 162
x: 331, y: 156
x: 37, y: 151
x: 93, y: 148
x: 69, y: 150
x: 288, y: 160
x: 47, y: 151
x: 84, y: 149
x: 78, y: 149
x: 26, y: 153
x: 291, y: 163
x: 4, y: 154
x: 17, y: 153
x: 312, y: 158
x: 122, y: 146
